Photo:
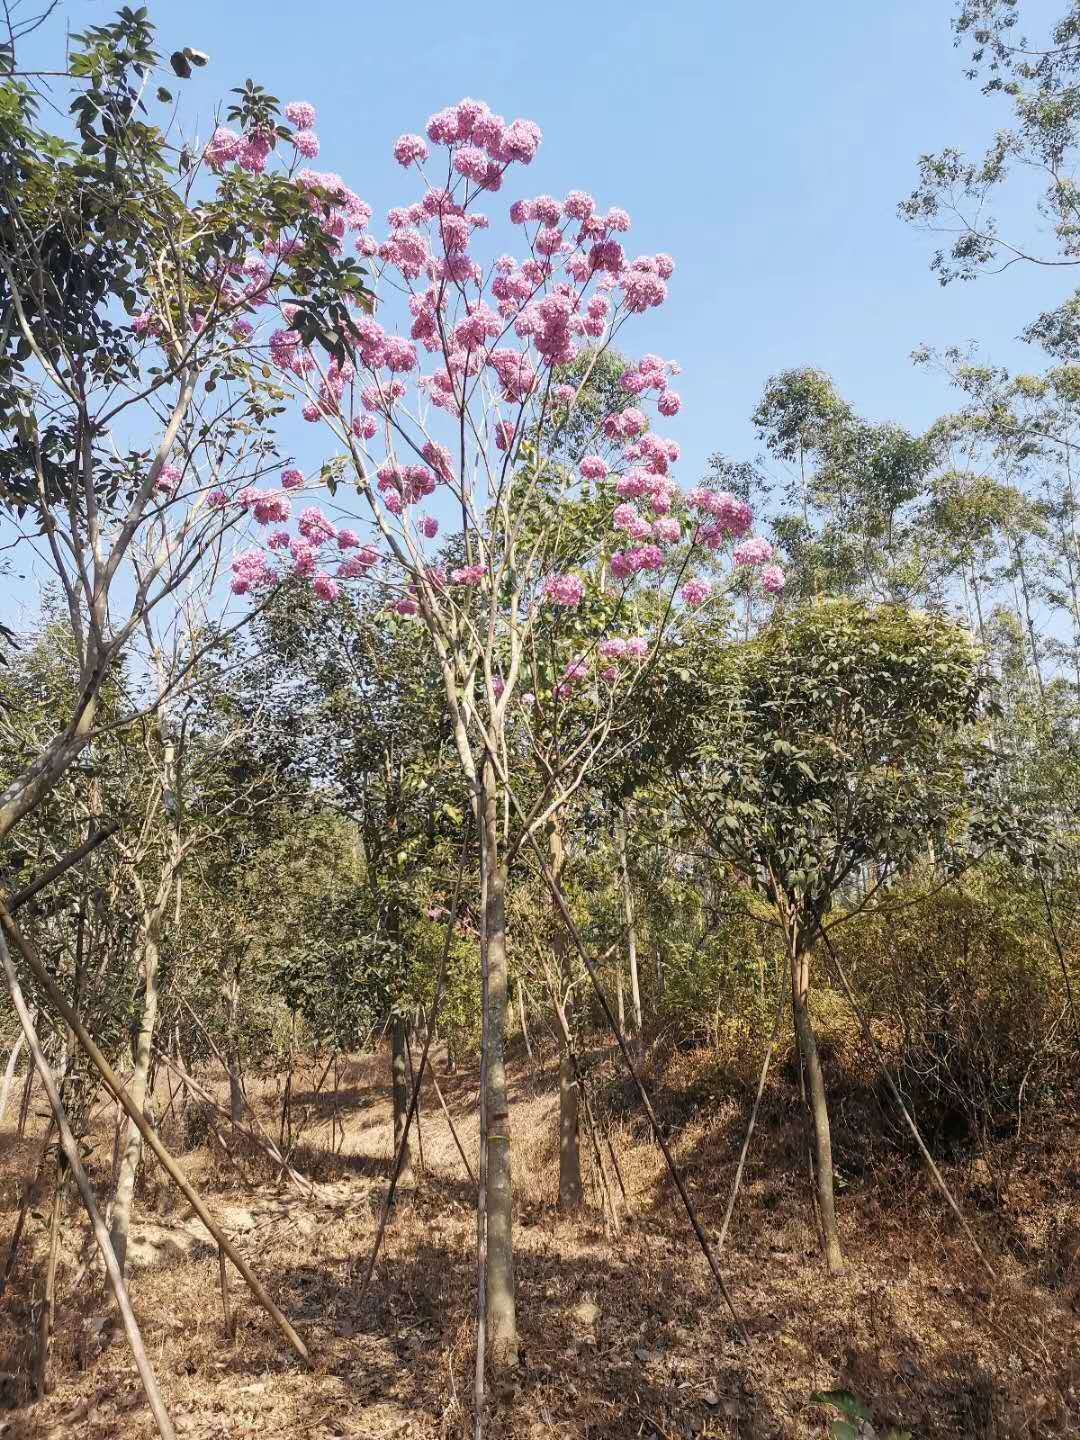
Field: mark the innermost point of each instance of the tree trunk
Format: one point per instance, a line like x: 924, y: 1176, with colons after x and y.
x: 237, y: 1103
x: 501, y: 1308
x: 399, y: 1075
x: 521, y: 1019
x: 9, y: 1071
x: 571, y: 1190
x: 144, y: 1039
x: 804, y: 1030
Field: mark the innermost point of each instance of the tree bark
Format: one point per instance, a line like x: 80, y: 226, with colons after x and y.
x: 819, y: 1110
x: 500, y: 1298
x: 143, y: 1047
x: 237, y: 1103
x: 399, y: 1076
x: 571, y: 1190
x: 9, y: 1071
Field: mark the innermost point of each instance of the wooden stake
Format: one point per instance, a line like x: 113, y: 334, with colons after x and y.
x: 230, y: 1324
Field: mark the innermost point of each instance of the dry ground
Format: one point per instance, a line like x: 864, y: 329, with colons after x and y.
x: 621, y: 1336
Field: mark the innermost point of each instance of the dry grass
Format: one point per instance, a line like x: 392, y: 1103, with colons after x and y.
x: 621, y: 1336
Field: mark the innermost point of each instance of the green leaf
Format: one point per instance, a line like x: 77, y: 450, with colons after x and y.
x: 165, y: 96
x: 842, y: 1400
x: 179, y: 62
x: 843, y: 1430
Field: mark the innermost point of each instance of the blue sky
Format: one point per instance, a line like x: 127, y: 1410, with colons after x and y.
x: 765, y: 147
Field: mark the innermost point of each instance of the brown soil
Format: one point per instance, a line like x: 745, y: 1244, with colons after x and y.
x: 621, y: 1335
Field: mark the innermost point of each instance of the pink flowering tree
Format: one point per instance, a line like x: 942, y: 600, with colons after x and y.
x: 543, y: 586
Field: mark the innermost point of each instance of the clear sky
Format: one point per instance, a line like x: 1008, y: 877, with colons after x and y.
x: 765, y: 146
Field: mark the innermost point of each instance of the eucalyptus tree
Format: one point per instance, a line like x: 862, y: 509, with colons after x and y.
x: 849, y: 493
x: 1036, y: 75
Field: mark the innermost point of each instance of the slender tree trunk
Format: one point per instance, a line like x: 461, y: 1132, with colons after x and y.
x: 501, y: 1308
x: 237, y: 1103
x: 571, y: 1190
x: 399, y: 1075
x: 132, y: 1145
x: 804, y: 1030
x: 9, y: 1071
x: 24, y: 1103
x: 631, y: 927
x: 521, y: 1019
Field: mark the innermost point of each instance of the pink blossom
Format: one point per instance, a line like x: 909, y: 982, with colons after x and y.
x: 217, y: 499
x: 498, y: 685
x: 732, y: 517
x: 410, y: 150
x: 642, y: 290
x: 773, y: 579
x: 429, y: 527
x: 696, y: 592
x: 609, y: 674
x: 637, y: 647
x: 254, y: 151
x: 669, y: 403
x: 279, y: 540
x: 666, y: 530
x: 578, y: 205
x: 438, y: 457
x: 665, y: 266
x: 593, y: 467
x: 355, y: 567
x: 520, y: 142
x: 363, y: 427
x: 251, y: 571
x: 169, y: 478
x: 406, y: 606
x: 314, y: 526
x: 505, y: 431
x: 468, y: 575
x: 300, y: 113
x: 306, y: 142
x: 224, y: 146
x: 625, y: 424
x: 324, y: 588
x: 565, y: 590
x: 612, y: 649
x: 292, y: 479
x: 752, y: 552
x: 400, y: 354
x: 271, y: 508
x: 348, y: 540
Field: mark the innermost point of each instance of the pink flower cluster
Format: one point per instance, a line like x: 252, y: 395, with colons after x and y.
x: 484, y: 341
x: 565, y: 590
x: 252, y: 571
